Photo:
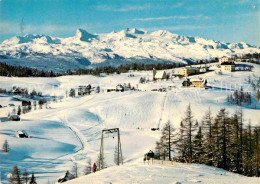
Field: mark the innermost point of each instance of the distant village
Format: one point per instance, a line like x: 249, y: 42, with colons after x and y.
x: 224, y: 65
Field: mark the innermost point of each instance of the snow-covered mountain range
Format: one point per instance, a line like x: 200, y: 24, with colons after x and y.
x: 129, y: 45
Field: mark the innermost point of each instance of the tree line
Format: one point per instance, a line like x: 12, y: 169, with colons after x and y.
x: 223, y: 141
x: 19, y: 71
x: 252, y: 58
x: 123, y: 68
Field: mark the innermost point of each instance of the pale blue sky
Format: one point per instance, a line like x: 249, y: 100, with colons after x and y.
x: 223, y: 20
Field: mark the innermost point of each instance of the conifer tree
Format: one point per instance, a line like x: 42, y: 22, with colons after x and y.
x: 223, y: 122
x: 117, y: 157
x: 6, y: 147
x: 19, y: 110
x: 248, y: 151
x: 188, y: 128
x: 15, y: 178
x: 88, y: 167
x: 33, y: 179
x: 198, y: 149
x: 74, y: 170
x: 208, y: 145
x: 236, y: 166
x: 181, y: 144
x: 240, y: 120
x: 168, y: 139
x: 25, y: 176
x: 160, y: 150
x: 256, y: 154
x: 72, y: 92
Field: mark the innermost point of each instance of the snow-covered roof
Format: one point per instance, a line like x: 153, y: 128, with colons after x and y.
x: 15, y: 116
x: 159, y: 74
x: 197, y: 80
x: 120, y: 86
x: 22, y: 132
x: 191, y: 68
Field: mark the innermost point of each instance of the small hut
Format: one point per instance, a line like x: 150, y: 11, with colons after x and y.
x: 22, y: 134
x: 120, y: 87
x: 160, y: 75
x: 14, y: 118
x: 26, y: 103
x: 149, y: 155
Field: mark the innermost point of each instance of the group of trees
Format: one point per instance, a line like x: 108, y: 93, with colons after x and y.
x: 239, y: 97
x: 18, y: 178
x: 28, y: 108
x: 72, y: 92
x: 252, y: 58
x: 23, y: 92
x: 123, y: 68
x: 143, y: 80
x: 222, y: 141
x: 256, y: 87
x: 18, y: 71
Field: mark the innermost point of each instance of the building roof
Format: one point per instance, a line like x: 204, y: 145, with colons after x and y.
x: 22, y: 132
x: 191, y: 68
x: 15, y: 116
x: 159, y: 74
x: 227, y: 63
x: 120, y: 86
x: 198, y: 80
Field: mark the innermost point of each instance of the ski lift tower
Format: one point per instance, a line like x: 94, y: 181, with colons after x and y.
x: 119, y: 150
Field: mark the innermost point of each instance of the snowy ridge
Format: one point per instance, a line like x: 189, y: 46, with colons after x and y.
x: 128, y: 44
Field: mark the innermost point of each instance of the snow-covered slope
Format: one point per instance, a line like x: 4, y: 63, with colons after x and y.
x: 174, y: 174
x: 84, y: 48
x: 69, y: 132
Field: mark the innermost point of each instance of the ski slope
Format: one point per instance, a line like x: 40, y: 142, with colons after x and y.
x: 69, y: 132
x: 171, y: 174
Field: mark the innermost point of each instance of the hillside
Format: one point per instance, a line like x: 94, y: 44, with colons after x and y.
x: 69, y: 131
x: 130, y: 45
x: 171, y: 174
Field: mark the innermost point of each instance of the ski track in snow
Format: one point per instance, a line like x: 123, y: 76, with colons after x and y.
x: 162, y: 110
